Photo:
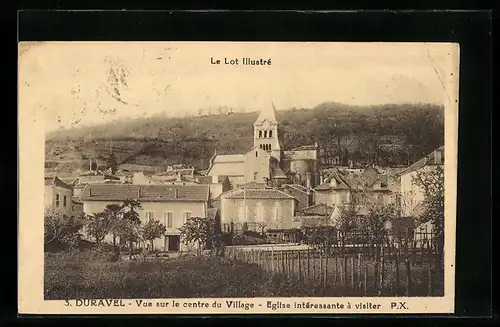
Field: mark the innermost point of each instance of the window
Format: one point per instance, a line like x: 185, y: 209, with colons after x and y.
x: 270, y: 133
x: 64, y: 201
x: 57, y: 200
x: 260, y: 134
x: 277, y: 214
x: 265, y: 134
x: 256, y: 154
x: 168, y: 220
x: 255, y: 176
x: 150, y: 215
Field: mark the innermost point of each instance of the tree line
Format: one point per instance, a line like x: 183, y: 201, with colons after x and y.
x: 387, y: 134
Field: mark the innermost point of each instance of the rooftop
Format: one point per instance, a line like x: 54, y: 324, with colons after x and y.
x: 149, y: 193
x: 436, y: 157
x: 55, y: 181
x: 263, y: 193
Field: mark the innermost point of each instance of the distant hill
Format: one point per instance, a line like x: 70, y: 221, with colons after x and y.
x: 387, y: 134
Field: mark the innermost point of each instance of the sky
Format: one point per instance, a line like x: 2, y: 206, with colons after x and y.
x: 68, y: 84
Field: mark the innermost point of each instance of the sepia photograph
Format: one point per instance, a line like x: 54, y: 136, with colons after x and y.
x: 236, y: 177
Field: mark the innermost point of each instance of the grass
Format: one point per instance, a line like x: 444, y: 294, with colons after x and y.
x: 79, y: 275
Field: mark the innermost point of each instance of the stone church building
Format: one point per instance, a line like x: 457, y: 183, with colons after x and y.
x: 267, y: 161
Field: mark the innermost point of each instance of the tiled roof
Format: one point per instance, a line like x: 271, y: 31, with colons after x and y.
x: 55, y: 181
x: 278, y: 173
x: 205, y: 179
x: 297, y: 187
x: 253, y: 185
x: 319, y: 209
x: 306, y: 147
x: 259, y: 194
x: 429, y: 159
x: 154, y: 193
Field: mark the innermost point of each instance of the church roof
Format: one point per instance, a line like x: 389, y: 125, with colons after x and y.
x: 268, y: 114
x: 229, y: 158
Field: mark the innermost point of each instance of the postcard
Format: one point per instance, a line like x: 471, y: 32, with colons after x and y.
x: 237, y: 177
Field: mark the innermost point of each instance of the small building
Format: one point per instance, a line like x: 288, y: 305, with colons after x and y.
x: 411, y: 193
x: 257, y: 208
x: 57, y: 196
x: 172, y: 205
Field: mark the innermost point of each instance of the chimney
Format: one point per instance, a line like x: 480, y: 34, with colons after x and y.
x: 90, y: 164
x: 308, y: 180
x: 138, y: 192
x: 90, y: 191
x: 176, y: 190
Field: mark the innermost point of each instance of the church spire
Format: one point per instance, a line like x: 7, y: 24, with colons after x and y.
x: 268, y: 114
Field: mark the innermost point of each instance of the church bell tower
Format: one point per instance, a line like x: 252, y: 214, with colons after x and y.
x: 266, y: 133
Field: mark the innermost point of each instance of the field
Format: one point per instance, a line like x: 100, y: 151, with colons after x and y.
x: 80, y: 275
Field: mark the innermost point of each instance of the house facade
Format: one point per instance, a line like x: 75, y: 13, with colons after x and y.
x: 411, y: 194
x: 256, y: 209
x: 58, y: 195
x: 172, y: 205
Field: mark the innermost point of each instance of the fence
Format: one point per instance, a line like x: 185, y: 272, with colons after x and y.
x: 353, y: 270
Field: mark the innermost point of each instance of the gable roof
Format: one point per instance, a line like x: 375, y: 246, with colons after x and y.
x: 55, y: 181
x: 297, y: 187
x: 320, y: 209
x: 265, y: 194
x: 146, y: 193
x: 429, y: 159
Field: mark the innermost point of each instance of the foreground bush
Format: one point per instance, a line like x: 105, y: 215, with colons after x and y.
x: 86, y: 275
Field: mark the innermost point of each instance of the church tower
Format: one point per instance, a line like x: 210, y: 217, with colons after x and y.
x: 266, y: 133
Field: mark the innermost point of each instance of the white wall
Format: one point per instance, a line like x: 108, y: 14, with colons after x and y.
x: 197, y: 209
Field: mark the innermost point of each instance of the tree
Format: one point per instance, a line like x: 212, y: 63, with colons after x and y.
x: 62, y: 228
x: 98, y: 226
x: 347, y: 222
x: 322, y: 237
x: 114, y: 212
x: 152, y: 230
x: 431, y: 183
x: 130, y: 223
x: 199, y: 230
x: 226, y: 185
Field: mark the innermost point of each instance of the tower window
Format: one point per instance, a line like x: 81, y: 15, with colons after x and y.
x: 260, y: 134
x: 265, y: 134
x: 256, y: 154
x: 270, y: 133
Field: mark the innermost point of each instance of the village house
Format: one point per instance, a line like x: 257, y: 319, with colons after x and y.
x: 316, y: 215
x: 172, y: 205
x: 58, y: 195
x: 267, y: 162
x: 367, y: 187
x: 256, y: 209
x: 412, y: 195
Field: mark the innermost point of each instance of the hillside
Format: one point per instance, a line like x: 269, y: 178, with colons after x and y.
x: 389, y: 134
